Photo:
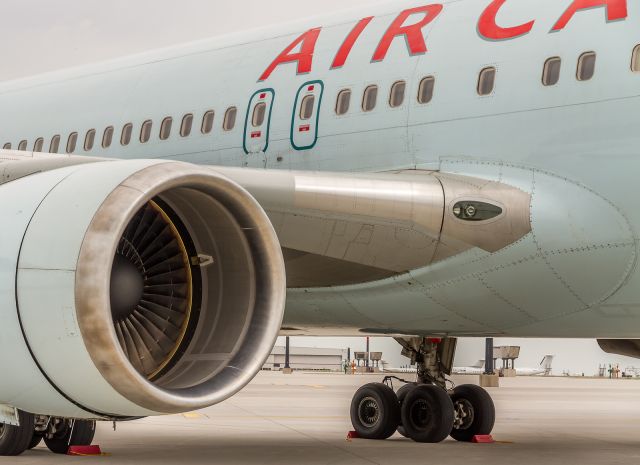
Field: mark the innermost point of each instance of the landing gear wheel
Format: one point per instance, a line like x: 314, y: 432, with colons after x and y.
x: 475, y: 413
x: 402, y: 394
x: 14, y: 440
x: 375, y: 413
x: 37, y: 439
x: 77, y: 433
x: 427, y: 414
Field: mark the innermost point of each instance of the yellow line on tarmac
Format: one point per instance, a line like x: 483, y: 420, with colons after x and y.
x: 193, y: 416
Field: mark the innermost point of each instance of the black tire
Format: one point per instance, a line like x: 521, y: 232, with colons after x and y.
x: 79, y: 433
x: 427, y: 414
x: 402, y: 394
x: 35, y: 441
x: 14, y: 440
x: 475, y: 412
x: 375, y: 413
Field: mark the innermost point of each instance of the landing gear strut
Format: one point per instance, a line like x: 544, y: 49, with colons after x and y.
x: 433, y: 357
x: 425, y: 411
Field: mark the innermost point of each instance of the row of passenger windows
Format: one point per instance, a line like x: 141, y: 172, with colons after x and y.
x: 126, y: 135
x: 485, y: 86
x: 396, y: 96
x: 551, y: 71
x: 486, y: 83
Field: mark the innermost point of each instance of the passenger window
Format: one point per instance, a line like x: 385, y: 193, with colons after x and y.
x: 54, y: 147
x: 258, y: 114
x: 7, y: 146
x: 307, y: 106
x: 39, y: 143
x: 127, y: 130
x: 370, y: 98
x: 586, y: 66
x: 187, y: 123
x: 343, y: 102
x: 635, y: 59
x: 72, y: 142
x: 207, y: 122
x: 22, y: 145
x: 145, y: 131
x: 486, y: 81
x: 425, y: 91
x: 230, y: 119
x: 551, y: 71
x: 396, y: 97
x: 89, y: 140
x: 107, y: 137
x: 165, y: 128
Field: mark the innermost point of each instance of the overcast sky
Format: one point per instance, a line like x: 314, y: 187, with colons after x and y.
x: 43, y: 35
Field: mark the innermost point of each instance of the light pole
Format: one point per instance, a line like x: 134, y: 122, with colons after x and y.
x: 286, y: 353
x: 367, y: 353
x: 488, y: 355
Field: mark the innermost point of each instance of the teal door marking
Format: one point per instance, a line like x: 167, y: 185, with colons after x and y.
x: 306, y: 115
x: 257, y: 123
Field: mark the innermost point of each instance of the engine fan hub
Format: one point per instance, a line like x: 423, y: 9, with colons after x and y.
x: 127, y: 287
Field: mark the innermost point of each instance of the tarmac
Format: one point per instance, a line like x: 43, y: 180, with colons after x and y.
x: 303, y: 419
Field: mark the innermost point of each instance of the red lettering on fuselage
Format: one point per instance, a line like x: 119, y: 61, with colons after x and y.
x: 488, y: 28
x: 413, y: 33
x: 304, y: 58
x: 415, y: 37
x: 349, y: 42
x: 616, y: 9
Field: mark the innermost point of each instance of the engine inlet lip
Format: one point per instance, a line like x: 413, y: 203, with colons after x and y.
x: 93, y: 277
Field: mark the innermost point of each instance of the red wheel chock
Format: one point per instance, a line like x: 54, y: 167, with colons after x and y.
x: 84, y: 451
x: 483, y: 439
x: 352, y: 435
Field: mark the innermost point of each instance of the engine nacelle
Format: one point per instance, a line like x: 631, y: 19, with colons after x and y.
x: 133, y: 288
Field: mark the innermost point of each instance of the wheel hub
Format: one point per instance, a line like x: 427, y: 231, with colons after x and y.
x: 369, y: 412
x: 464, y: 414
x: 420, y: 413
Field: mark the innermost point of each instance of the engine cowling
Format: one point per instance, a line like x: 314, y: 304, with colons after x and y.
x: 133, y: 288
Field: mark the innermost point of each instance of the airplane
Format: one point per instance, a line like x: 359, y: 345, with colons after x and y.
x: 425, y: 171
x: 475, y: 369
x: 543, y: 369
x: 478, y: 368
x: 387, y: 368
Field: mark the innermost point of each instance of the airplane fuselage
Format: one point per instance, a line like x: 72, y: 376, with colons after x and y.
x: 572, y: 145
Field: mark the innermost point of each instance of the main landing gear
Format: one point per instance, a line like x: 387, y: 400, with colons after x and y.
x: 425, y: 411
x: 58, y: 434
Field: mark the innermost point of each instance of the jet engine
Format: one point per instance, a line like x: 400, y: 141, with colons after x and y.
x: 133, y: 288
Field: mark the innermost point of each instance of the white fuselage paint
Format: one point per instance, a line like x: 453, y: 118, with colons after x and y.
x: 574, y: 146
